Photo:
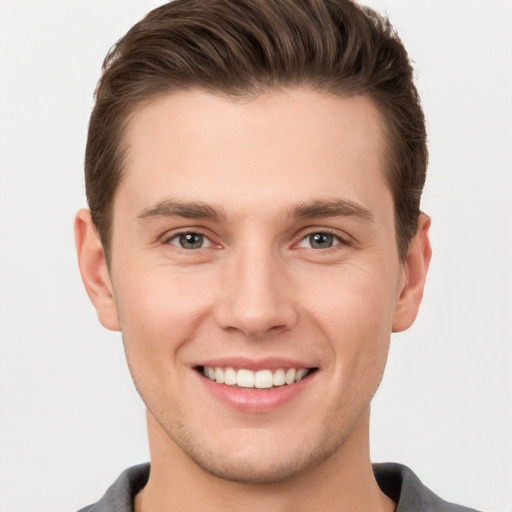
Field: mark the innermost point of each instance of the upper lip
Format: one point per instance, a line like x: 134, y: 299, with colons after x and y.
x: 254, y: 364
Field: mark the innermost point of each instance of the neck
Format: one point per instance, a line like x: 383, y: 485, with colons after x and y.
x: 343, y: 482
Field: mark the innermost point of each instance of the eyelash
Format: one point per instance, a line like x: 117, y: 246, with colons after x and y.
x: 169, y: 238
x: 340, y: 240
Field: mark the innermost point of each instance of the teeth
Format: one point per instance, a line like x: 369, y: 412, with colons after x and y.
x: 229, y: 376
x: 290, y: 376
x: 278, y: 379
x: 245, y: 379
x: 261, y: 379
x: 219, y: 375
x: 300, y: 374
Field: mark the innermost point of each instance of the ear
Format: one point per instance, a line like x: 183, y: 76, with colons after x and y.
x: 415, y: 269
x: 94, y: 271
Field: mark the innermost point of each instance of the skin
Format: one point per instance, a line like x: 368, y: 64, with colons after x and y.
x: 256, y: 288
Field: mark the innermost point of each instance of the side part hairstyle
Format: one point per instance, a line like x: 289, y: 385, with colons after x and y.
x: 241, y: 48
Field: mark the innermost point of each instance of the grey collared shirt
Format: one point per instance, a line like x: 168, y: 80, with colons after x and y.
x: 395, y: 480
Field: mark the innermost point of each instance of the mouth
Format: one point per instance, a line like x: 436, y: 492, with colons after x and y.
x: 259, y: 380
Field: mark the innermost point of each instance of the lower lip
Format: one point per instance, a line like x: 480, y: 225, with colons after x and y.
x: 254, y: 400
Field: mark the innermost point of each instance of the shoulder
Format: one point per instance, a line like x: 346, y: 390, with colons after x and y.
x: 119, y: 497
x: 405, y: 488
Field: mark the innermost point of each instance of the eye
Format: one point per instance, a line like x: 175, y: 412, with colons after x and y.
x: 319, y: 241
x: 190, y: 241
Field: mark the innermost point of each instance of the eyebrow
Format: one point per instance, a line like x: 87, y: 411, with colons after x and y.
x: 315, y: 209
x: 330, y: 208
x: 187, y: 210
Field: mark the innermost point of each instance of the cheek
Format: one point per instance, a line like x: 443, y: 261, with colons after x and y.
x: 355, y: 309
x: 160, y: 310
x: 354, y: 299
x: 159, y: 313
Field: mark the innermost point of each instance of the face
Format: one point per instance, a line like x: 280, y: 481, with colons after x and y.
x: 255, y: 276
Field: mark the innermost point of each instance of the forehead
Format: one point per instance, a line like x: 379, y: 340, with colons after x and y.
x: 288, y: 144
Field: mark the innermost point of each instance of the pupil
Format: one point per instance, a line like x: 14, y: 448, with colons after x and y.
x: 191, y: 241
x: 321, y: 241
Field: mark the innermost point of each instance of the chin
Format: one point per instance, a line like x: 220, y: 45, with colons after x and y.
x: 255, y: 470
x: 261, y: 459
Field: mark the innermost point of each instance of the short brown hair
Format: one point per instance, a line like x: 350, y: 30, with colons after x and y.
x: 240, y: 48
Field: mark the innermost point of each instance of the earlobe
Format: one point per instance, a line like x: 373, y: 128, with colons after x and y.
x: 94, y: 271
x: 415, y: 268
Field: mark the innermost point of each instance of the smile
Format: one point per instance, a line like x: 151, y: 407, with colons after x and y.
x: 260, y: 379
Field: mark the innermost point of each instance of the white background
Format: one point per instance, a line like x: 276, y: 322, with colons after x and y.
x: 70, y: 420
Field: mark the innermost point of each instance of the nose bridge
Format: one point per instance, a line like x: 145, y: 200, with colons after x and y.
x: 257, y: 297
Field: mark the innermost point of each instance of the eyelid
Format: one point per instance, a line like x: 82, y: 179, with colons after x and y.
x: 168, y: 236
x: 336, y: 241
x: 342, y: 238
x: 206, y: 241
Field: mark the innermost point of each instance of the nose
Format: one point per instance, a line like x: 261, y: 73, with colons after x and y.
x: 257, y: 295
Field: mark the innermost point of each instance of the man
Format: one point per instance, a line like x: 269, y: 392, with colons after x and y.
x: 254, y: 171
